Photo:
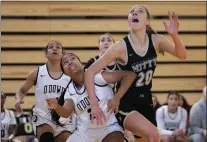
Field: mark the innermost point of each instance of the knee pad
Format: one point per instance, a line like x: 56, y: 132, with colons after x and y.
x: 46, y: 137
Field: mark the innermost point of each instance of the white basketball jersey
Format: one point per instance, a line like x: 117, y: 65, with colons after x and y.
x: 47, y: 87
x: 172, y: 121
x: 82, y: 104
x: 7, y: 119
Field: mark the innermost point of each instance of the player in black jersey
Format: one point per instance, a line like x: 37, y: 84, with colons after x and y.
x: 105, y: 41
x: 137, y: 52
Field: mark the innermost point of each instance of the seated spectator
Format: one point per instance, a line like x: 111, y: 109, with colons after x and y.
x: 8, y: 121
x: 184, y: 103
x: 171, y: 120
x: 155, y: 102
x: 197, y: 122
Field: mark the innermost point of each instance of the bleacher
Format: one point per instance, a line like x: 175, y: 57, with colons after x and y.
x: 28, y: 26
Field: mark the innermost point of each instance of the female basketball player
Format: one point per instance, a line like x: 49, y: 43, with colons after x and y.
x: 49, y: 82
x: 137, y: 52
x: 172, y: 119
x: 105, y: 41
x: 77, y: 100
x: 8, y: 121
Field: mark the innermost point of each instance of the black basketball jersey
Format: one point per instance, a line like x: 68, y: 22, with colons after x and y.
x: 112, y: 67
x: 139, y: 94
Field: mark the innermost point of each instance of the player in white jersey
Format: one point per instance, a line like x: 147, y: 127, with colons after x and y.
x: 8, y: 120
x: 171, y: 119
x: 77, y: 100
x: 49, y: 82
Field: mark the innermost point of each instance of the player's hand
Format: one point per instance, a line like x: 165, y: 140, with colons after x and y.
x: 97, y: 113
x: 113, y: 104
x: 173, y: 26
x: 52, y: 103
x: 18, y: 107
x: 178, y: 133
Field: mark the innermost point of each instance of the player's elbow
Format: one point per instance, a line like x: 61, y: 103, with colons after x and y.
x: 182, y: 57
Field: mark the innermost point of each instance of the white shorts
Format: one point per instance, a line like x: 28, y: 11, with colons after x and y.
x: 39, y: 120
x: 93, y: 135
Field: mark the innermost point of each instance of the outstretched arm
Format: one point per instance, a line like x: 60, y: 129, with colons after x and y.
x: 177, y: 49
x: 125, y: 78
x: 30, y: 81
x: 64, y: 111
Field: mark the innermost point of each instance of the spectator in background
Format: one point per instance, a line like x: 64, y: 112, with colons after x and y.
x: 155, y: 102
x: 8, y: 121
x: 184, y: 104
x: 197, y: 122
x: 171, y: 120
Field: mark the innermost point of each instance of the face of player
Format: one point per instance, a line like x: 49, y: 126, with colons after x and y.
x: 173, y: 101
x: 105, y: 41
x: 137, y: 18
x: 71, y: 65
x: 54, y: 51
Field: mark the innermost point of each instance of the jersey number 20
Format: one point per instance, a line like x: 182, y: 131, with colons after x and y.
x: 144, y: 78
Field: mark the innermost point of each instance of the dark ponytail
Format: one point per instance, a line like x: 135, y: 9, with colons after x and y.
x: 55, y: 116
x: 150, y: 31
x: 149, y: 28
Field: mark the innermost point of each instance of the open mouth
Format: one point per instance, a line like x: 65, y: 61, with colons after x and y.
x: 54, y: 53
x: 72, y: 67
x: 135, y: 20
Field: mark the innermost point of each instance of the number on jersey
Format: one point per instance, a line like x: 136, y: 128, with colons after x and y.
x: 144, y: 78
x: 28, y: 128
x: 2, y: 133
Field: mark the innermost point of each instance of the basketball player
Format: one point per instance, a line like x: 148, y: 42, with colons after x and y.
x: 77, y: 100
x: 49, y: 82
x: 8, y: 121
x: 172, y: 119
x: 105, y: 41
x: 137, y: 52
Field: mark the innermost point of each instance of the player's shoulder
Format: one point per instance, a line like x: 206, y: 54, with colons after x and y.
x: 162, y: 108
x: 182, y: 109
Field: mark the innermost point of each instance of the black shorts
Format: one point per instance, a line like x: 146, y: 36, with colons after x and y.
x: 147, y: 111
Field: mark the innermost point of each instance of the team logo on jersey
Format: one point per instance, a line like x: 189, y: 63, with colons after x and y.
x: 42, y: 75
x: 139, y: 66
x: 34, y: 118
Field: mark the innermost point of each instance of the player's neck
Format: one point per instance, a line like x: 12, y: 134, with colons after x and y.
x: 138, y: 37
x: 172, y: 110
x: 54, y: 66
x: 79, y: 78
